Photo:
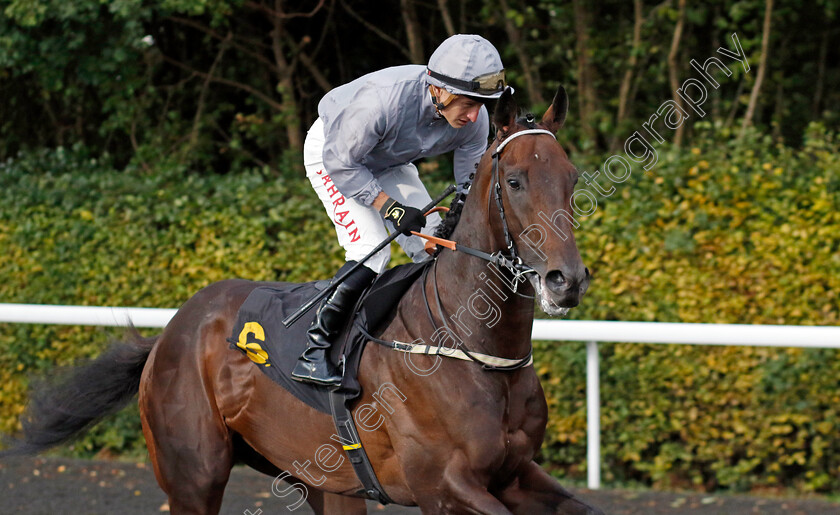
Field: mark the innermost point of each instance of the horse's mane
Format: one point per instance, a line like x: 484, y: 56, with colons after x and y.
x: 445, y: 229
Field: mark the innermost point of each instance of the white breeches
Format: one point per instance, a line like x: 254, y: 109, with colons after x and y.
x: 360, y: 228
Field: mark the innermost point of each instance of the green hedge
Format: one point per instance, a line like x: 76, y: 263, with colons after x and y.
x: 74, y: 231
x: 726, y: 231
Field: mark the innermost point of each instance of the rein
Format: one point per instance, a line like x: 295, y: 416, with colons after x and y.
x: 512, y: 262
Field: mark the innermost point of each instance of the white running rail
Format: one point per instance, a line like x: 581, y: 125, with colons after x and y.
x: 590, y: 332
x: 85, y: 315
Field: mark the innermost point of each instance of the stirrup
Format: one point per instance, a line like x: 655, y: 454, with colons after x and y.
x: 313, y: 366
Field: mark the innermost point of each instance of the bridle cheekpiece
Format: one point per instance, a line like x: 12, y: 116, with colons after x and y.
x: 512, y: 262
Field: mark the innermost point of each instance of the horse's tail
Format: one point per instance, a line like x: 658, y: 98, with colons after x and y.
x: 61, y: 409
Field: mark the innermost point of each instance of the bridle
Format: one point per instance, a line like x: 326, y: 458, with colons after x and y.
x: 512, y: 261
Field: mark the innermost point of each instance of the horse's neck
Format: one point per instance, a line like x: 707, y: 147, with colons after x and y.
x: 478, y: 297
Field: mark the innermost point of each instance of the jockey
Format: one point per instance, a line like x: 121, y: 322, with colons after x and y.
x: 358, y: 156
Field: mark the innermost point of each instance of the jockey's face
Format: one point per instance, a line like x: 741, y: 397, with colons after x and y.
x: 460, y: 111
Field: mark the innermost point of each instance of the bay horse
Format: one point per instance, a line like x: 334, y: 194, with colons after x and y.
x: 446, y: 435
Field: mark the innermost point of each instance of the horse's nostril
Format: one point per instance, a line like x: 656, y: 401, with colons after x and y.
x: 555, y: 280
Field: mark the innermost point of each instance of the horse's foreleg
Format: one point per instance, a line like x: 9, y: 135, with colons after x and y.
x: 336, y: 504
x: 459, y: 491
x: 536, y: 491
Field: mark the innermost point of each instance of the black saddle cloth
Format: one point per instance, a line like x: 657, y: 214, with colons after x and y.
x: 261, y: 335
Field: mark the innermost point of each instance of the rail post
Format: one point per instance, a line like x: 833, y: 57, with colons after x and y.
x: 593, y: 417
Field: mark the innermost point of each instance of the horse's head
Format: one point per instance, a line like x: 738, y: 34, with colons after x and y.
x: 535, y: 183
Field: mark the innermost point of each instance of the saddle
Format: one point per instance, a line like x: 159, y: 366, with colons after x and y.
x: 260, y: 334
x: 274, y: 348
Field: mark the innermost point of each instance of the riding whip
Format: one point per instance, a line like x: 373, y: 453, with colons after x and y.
x: 291, y: 319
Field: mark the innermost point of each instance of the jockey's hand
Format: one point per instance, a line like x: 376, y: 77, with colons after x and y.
x: 404, y: 218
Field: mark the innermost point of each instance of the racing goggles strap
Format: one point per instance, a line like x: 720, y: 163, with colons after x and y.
x: 486, y: 84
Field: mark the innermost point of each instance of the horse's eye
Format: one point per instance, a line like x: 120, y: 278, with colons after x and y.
x: 514, y: 184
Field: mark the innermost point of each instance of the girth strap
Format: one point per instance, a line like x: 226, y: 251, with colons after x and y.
x: 352, y: 445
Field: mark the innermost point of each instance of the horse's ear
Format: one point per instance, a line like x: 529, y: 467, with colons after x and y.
x: 554, y: 118
x: 504, y: 117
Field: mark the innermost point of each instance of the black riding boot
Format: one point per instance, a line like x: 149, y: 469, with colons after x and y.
x: 314, y: 365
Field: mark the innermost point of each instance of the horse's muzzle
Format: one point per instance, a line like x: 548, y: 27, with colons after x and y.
x: 565, y: 289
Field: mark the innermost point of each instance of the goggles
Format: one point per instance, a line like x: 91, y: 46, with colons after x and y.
x: 487, y: 84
